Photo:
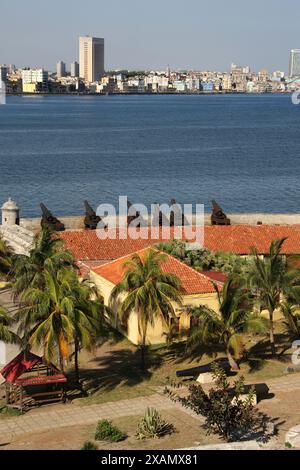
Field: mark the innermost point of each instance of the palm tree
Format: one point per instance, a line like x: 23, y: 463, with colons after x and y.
x: 45, y: 318
x: 64, y: 312
x: 6, y: 334
x: 226, y: 327
x: 272, y: 283
x: 150, y: 293
x: 88, y: 317
x: 28, y: 271
x: 5, y: 257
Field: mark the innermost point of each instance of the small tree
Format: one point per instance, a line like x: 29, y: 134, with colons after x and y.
x: 228, y: 326
x: 272, y: 282
x: 225, y: 412
x: 5, y: 257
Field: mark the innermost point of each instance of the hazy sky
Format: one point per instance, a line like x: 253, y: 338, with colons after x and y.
x: 140, y: 34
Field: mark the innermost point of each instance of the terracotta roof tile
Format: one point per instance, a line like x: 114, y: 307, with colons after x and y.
x: 192, y: 282
x: 86, y: 246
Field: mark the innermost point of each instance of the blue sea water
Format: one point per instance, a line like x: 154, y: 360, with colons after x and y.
x: 242, y: 150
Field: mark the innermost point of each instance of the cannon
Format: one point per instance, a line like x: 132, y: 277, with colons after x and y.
x: 49, y: 221
x: 218, y: 217
x: 132, y: 216
x: 174, y: 217
x: 91, y: 219
x: 177, y: 215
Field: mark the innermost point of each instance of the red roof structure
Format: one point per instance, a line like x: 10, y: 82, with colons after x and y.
x: 23, y: 363
x: 192, y: 282
x: 238, y: 239
x: 26, y: 377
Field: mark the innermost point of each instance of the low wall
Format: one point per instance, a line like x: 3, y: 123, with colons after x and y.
x: 76, y: 222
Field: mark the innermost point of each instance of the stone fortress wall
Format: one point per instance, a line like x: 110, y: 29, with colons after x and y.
x: 20, y: 233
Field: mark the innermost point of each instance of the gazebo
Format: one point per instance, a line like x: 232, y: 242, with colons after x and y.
x: 30, y: 380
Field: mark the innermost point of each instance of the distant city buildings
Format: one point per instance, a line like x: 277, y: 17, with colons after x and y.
x: 88, y: 76
x: 60, y: 69
x: 34, y: 80
x: 75, y: 69
x: 294, y: 63
x: 91, y: 58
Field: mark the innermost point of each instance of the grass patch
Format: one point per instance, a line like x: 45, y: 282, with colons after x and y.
x: 113, y: 371
x: 88, y: 445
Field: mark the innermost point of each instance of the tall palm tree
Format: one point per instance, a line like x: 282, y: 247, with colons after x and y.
x: 44, y: 320
x: 66, y: 312
x: 88, y: 317
x: 5, y: 257
x: 6, y: 334
x: 149, y: 292
x: 48, y: 252
x: 226, y: 327
x: 272, y: 283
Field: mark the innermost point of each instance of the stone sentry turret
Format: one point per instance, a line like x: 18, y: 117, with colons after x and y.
x: 10, y: 213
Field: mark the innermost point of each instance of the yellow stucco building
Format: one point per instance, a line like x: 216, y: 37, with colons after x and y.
x: 197, y: 289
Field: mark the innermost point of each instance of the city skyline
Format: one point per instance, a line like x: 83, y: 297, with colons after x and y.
x: 198, y: 38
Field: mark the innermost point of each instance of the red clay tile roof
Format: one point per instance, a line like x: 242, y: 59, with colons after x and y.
x: 192, y: 282
x: 215, y: 276
x: 240, y: 239
x: 86, y: 246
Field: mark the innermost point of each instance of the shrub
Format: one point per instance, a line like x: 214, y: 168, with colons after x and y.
x: 226, y: 412
x: 153, y: 426
x: 106, y: 432
x: 10, y: 412
x: 88, y: 445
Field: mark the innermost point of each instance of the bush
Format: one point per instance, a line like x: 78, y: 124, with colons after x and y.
x: 10, y: 412
x: 226, y: 412
x: 106, y: 432
x: 153, y: 426
x: 88, y: 445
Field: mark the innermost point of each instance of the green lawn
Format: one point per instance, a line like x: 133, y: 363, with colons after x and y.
x: 113, y: 371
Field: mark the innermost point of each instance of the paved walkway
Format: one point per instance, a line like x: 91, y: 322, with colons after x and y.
x: 288, y: 383
x: 71, y: 415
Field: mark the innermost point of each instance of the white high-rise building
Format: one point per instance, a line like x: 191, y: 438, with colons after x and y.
x: 91, y: 58
x: 75, y: 69
x: 60, y: 69
x: 295, y: 63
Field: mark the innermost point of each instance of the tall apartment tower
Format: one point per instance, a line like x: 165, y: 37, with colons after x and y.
x: 91, y: 58
x: 60, y: 69
x: 295, y: 63
x: 75, y: 69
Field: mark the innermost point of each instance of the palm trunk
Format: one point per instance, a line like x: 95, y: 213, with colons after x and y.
x: 143, y: 342
x: 272, y: 338
x: 233, y: 364
x: 61, y: 362
x: 76, y: 362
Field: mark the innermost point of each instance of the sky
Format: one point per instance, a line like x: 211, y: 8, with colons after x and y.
x: 140, y: 34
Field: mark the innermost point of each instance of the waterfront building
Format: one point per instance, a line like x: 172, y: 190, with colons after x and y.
x: 278, y: 74
x: 34, y: 80
x: 263, y: 75
x: 60, y: 69
x: 179, y: 86
x: 75, y: 69
x: 207, y: 87
x: 295, y: 63
x: 91, y: 58
x: 3, y: 73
